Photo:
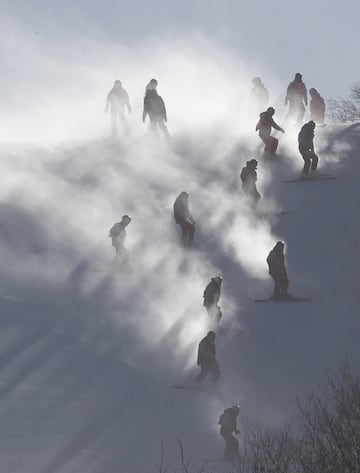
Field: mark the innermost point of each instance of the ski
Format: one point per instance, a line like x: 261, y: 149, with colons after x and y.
x: 320, y: 177
x: 292, y: 299
x: 186, y: 387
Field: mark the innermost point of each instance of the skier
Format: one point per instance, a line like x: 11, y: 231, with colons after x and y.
x: 211, y: 298
x: 154, y: 106
x: 228, y: 427
x: 259, y: 97
x: 296, y: 97
x: 117, y: 99
x: 264, y: 126
x: 317, y: 107
x: 117, y: 234
x: 277, y: 270
x: 207, y: 358
x: 306, y: 147
x: 248, y: 178
x: 184, y: 218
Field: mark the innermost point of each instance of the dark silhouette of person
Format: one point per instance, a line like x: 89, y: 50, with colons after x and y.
x: 228, y: 427
x: 211, y: 297
x: 154, y: 107
x: 184, y: 219
x: 317, y: 107
x: 117, y: 99
x: 248, y: 178
x: 117, y: 234
x: 264, y: 126
x: 207, y: 358
x: 296, y: 97
x: 259, y: 97
x: 306, y: 147
x: 277, y: 270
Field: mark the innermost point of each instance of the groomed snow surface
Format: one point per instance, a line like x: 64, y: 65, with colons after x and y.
x: 88, y: 355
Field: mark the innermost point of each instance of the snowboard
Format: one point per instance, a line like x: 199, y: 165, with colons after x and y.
x: 318, y: 177
x: 190, y: 387
x: 292, y: 299
x: 272, y: 214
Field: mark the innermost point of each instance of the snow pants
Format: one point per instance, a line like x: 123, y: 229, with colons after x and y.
x: 231, y: 451
x: 271, y: 144
x: 214, y: 312
x: 115, y: 116
x: 121, y: 254
x: 310, y: 159
x: 188, y: 232
x: 296, y: 113
x: 157, y: 123
x: 281, y: 285
x: 207, y: 367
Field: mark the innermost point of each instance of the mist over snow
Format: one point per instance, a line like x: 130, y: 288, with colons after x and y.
x: 88, y: 355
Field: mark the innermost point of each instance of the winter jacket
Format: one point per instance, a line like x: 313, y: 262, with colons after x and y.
x: 181, y: 210
x: 211, y: 294
x: 117, y: 98
x: 306, y: 136
x: 206, y: 352
x: 276, y: 262
x: 118, y: 233
x: 154, y: 105
x: 296, y: 93
x: 265, y: 124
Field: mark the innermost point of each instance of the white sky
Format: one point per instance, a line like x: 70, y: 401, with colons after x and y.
x: 318, y: 38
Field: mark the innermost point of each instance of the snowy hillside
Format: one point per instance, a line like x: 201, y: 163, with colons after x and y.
x: 89, y: 355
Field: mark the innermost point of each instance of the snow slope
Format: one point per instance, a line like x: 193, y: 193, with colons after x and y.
x: 88, y: 356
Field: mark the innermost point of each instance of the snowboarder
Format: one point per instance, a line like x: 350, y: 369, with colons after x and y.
x: 277, y: 270
x: 248, y: 178
x: 264, y: 126
x: 296, y: 97
x: 184, y: 218
x: 211, y: 298
x: 259, y: 97
x: 228, y: 427
x: 117, y: 234
x: 317, y: 107
x: 306, y: 147
x: 117, y: 99
x: 207, y: 358
x: 154, y: 106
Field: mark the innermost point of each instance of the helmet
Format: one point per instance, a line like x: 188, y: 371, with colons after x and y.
x: 252, y: 163
x: 126, y: 219
x: 271, y: 110
x: 236, y: 409
x: 298, y: 75
x: 217, y: 279
x: 256, y: 80
x: 211, y: 334
x: 117, y: 82
x: 312, y: 123
x: 184, y: 194
x: 280, y: 245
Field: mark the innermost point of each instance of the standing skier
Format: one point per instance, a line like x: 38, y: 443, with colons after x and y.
x: 306, y: 147
x: 207, y: 358
x: 117, y: 99
x: 154, y: 106
x: 248, y: 178
x: 264, y: 126
x: 259, y: 97
x: 296, y: 97
x: 317, y: 107
x: 211, y: 298
x: 228, y: 427
x: 277, y: 270
x: 184, y: 219
x: 117, y: 234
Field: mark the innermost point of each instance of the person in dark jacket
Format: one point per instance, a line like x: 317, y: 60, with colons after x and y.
x: 277, y: 270
x: 259, y: 97
x: 248, y: 178
x: 207, y: 358
x: 117, y: 234
x: 211, y: 299
x: 228, y: 427
x: 184, y: 219
x: 317, y: 107
x: 264, y: 126
x: 154, y: 107
x: 306, y: 147
x: 296, y: 97
x: 117, y: 99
